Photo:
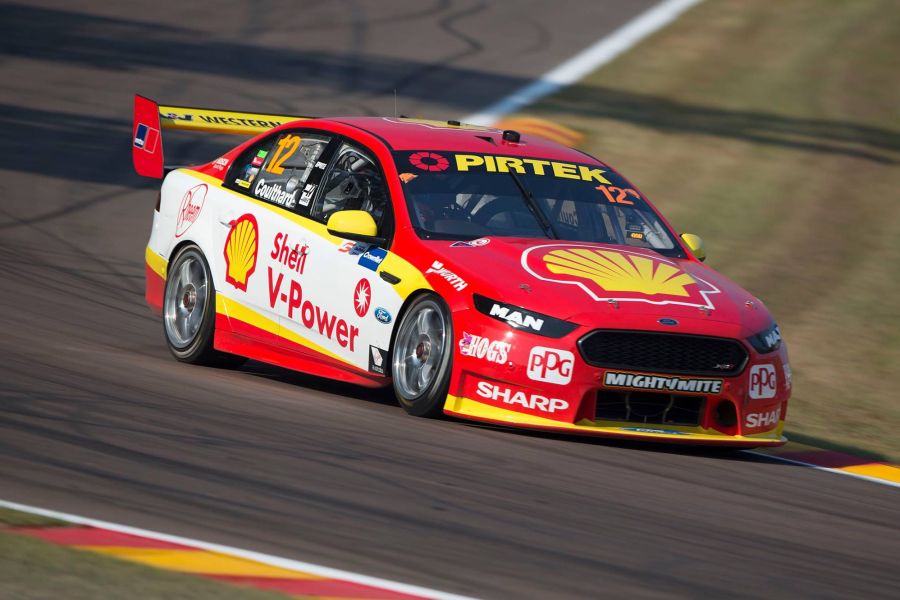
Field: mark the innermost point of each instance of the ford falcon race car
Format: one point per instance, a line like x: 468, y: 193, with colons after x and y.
x: 483, y: 274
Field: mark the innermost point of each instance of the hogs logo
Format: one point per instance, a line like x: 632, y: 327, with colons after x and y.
x: 190, y: 208
x: 241, y: 248
x: 622, y: 275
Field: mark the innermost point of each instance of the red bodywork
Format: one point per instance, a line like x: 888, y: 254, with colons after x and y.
x: 500, y: 271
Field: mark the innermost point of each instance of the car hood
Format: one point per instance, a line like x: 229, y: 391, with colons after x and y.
x: 601, y: 285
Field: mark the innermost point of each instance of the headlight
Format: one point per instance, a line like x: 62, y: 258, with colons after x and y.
x: 767, y: 340
x: 520, y: 318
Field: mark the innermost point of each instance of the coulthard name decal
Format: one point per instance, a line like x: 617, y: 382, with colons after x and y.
x: 657, y: 382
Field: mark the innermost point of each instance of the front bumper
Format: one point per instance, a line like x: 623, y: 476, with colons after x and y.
x: 501, y: 388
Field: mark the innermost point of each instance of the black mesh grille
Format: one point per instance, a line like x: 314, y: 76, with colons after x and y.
x: 663, y: 352
x: 649, y: 408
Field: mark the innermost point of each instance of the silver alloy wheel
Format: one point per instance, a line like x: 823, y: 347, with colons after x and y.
x: 419, y: 349
x: 185, y: 301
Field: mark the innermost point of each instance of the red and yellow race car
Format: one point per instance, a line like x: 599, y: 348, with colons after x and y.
x: 484, y: 274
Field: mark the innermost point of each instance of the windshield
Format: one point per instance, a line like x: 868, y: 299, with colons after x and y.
x: 465, y: 196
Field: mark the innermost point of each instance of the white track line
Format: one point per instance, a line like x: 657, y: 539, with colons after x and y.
x: 602, y: 52
x: 828, y: 469
x: 275, y: 561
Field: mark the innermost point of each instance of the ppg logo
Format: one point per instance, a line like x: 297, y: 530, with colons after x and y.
x: 763, y: 382
x: 550, y: 365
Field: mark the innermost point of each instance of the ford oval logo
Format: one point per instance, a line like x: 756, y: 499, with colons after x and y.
x: 668, y: 321
x: 382, y: 315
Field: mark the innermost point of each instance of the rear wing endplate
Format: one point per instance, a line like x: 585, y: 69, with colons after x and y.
x: 151, y: 118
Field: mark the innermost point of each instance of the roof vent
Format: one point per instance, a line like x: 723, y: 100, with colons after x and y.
x: 511, y: 136
x: 454, y: 123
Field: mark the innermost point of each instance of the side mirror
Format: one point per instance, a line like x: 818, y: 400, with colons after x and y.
x: 355, y: 225
x: 695, y: 244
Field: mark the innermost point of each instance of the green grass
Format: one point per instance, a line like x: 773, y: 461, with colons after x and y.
x: 32, y: 569
x: 772, y: 129
x: 14, y: 518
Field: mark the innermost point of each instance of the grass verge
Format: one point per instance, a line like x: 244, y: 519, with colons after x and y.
x: 32, y: 569
x: 770, y: 128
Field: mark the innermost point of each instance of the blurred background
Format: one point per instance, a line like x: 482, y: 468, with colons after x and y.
x: 770, y: 128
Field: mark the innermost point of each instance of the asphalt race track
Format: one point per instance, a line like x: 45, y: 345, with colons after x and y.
x: 97, y: 419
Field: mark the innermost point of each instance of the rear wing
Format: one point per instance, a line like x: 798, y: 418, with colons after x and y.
x: 151, y: 118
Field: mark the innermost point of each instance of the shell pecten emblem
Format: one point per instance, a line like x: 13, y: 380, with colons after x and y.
x: 241, y: 249
x: 613, y: 274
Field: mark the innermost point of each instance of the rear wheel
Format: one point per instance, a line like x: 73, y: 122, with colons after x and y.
x: 189, y: 311
x: 422, y: 357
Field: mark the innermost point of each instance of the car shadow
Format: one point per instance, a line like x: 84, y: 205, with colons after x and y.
x: 385, y: 397
x: 649, y: 446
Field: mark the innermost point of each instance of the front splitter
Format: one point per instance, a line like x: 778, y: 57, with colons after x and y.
x: 466, y: 408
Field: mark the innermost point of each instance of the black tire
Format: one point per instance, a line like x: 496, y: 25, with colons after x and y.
x: 189, y: 311
x: 422, y: 360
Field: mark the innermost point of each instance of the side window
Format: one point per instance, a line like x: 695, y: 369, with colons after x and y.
x: 354, y: 183
x: 284, y: 170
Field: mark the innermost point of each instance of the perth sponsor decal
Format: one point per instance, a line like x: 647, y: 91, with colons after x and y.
x: 530, y: 166
x: 662, y: 383
x: 457, y: 282
x: 550, y: 365
x: 241, y: 248
x: 292, y: 254
x: 146, y: 138
x: 362, y: 297
x: 516, y: 318
x: 286, y: 296
x: 484, y: 348
x: 528, y: 400
x: 382, y: 315
x: 377, y: 360
x: 275, y: 193
x: 763, y: 382
x: 757, y: 420
x: 471, y: 243
x: 653, y: 430
x: 372, y: 258
x: 191, y: 205
x: 220, y: 164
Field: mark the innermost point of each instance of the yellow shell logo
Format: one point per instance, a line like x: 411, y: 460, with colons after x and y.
x: 616, y: 272
x: 241, y: 248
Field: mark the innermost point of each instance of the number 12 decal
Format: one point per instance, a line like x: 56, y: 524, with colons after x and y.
x: 286, y: 148
x: 618, y: 195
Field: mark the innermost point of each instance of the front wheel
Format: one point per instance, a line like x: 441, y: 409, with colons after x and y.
x: 189, y: 311
x: 422, y: 357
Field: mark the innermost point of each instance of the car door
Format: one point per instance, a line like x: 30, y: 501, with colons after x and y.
x: 344, y: 307
x: 260, y: 249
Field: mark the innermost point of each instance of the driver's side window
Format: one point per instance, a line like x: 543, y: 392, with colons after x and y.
x: 354, y: 182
